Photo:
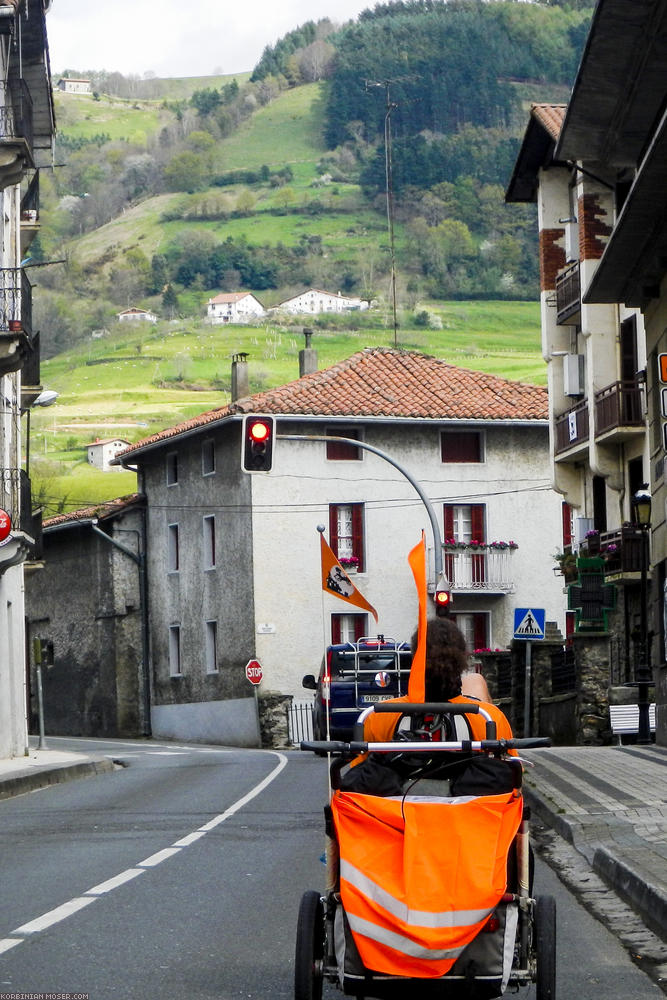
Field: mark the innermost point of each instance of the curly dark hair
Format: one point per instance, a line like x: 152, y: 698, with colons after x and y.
x: 446, y: 659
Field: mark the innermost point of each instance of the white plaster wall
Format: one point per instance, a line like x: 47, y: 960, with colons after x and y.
x: 292, y: 613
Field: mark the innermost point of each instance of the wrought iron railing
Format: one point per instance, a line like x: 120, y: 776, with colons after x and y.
x: 572, y: 427
x: 620, y: 404
x: 485, y: 570
x: 621, y: 549
x: 568, y: 294
x: 30, y: 201
x: 16, y: 499
x: 16, y: 118
x: 15, y: 300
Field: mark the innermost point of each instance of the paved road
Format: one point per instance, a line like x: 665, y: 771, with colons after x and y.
x: 179, y: 876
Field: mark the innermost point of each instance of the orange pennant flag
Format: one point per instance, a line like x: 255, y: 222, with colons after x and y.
x: 417, y: 682
x: 336, y: 581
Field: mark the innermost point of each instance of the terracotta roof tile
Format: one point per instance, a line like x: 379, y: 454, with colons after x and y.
x: 228, y: 297
x: 382, y: 382
x: 100, y: 511
x: 551, y: 116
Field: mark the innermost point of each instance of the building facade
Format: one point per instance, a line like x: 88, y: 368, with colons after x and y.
x: 233, y: 559
x: 26, y: 134
x: 314, y: 301
x: 234, y: 307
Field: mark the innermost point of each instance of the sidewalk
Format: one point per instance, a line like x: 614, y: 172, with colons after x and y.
x: 47, y: 767
x: 610, y: 803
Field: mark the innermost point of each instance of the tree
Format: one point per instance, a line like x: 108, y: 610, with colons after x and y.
x: 186, y: 171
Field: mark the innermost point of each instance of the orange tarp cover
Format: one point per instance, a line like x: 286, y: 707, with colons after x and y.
x: 419, y: 877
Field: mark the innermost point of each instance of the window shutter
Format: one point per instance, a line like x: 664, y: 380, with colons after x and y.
x: 358, y: 534
x: 480, y: 631
x: 333, y: 527
x: 335, y: 629
x: 449, y: 521
x: 477, y: 521
x: 567, y: 524
x: 359, y: 626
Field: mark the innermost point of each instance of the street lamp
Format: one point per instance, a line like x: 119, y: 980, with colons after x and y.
x: 641, y: 515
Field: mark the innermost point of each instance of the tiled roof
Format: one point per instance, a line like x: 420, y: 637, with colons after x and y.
x: 382, y: 382
x: 100, y: 511
x: 228, y: 297
x: 551, y: 116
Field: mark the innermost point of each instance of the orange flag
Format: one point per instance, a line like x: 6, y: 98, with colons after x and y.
x: 417, y: 682
x: 336, y: 581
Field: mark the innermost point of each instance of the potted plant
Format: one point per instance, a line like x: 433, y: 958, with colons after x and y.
x: 349, y: 563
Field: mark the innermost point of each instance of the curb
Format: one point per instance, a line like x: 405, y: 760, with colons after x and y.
x: 648, y: 901
x: 30, y: 781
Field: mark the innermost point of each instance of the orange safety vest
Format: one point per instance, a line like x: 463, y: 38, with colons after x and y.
x: 419, y: 876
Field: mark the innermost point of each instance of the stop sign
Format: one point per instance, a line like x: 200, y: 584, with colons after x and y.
x: 254, y: 672
x: 5, y: 525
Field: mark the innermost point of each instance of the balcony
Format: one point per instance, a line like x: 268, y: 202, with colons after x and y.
x: 485, y: 570
x: 30, y: 214
x: 621, y: 550
x: 16, y: 340
x: 571, y: 431
x: 619, y: 411
x: 25, y: 540
x: 16, y: 131
x: 568, y: 296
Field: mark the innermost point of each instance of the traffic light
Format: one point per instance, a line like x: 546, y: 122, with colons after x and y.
x: 257, y: 444
x: 443, y: 600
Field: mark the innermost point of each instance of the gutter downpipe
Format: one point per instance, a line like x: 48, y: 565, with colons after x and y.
x: 140, y: 560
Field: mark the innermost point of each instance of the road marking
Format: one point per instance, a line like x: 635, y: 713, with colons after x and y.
x: 72, y: 906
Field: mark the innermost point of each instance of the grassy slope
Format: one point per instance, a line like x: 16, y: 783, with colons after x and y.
x: 135, y: 392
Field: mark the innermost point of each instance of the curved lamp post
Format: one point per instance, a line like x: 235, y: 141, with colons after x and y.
x: 641, y: 515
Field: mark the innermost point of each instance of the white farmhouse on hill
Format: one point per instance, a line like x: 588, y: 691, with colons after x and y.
x: 233, y: 307
x: 314, y: 301
x: 134, y: 315
x: 100, y: 453
x: 70, y: 85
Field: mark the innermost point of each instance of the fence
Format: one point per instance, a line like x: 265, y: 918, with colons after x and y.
x: 300, y: 721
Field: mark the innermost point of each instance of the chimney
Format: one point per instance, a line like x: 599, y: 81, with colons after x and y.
x: 308, y: 356
x: 240, y: 385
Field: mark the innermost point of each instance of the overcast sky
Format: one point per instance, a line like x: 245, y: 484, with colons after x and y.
x: 178, y: 37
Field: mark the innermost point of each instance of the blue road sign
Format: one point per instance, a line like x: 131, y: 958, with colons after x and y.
x: 529, y: 623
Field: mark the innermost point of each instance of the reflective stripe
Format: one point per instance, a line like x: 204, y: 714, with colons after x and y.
x: 412, y: 918
x: 398, y: 942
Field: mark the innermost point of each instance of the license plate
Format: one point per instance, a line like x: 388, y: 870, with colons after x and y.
x: 367, y: 699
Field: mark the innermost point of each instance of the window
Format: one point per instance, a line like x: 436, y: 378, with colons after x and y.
x: 475, y: 629
x: 175, y: 650
x: 208, y: 458
x: 339, y: 451
x: 348, y: 628
x: 346, y: 531
x: 172, y: 468
x: 209, y: 541
x: 210, y: 646
x: 173, y: 554
x: 461, y: 446
x: 464, y: 523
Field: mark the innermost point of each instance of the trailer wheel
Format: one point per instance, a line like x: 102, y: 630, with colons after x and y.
x: 545, y: 947
x: 309, y: 956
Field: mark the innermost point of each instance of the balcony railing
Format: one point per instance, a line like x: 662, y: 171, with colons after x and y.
x: 620, y: 404
x: 16, y: 499
x: 572, y: 427
x: 489, y: 570
x: 15, y: 301
x: 621, y: 550
x: 16, y: 119
x: 568, y: 295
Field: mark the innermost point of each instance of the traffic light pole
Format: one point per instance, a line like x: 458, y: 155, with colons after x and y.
x: 435, y: 527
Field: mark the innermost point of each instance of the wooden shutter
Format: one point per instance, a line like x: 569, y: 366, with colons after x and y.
x: 477, y: 521
x: 333, y: 527
x: 449, y: 520
x: 335, y: 629
x: 358, y: 534
x: 480, y: 631
x: 567, y: 524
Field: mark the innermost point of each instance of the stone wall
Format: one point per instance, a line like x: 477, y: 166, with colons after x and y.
x: 273, y: 711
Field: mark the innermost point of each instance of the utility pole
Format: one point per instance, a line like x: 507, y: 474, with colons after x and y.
x: 389, y: 183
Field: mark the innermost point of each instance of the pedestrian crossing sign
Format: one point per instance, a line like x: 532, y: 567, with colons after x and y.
x: 529, y: 623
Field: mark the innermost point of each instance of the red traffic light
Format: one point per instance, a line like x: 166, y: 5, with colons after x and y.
x: 257, y: 444
x: 443, y: 599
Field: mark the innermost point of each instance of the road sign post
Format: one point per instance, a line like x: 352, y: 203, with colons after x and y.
x: 529, y: 625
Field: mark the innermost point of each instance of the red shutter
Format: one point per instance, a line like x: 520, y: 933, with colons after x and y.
x: 567, y: 524
x: 360, y: 626
x: 449, y: 520
x: 335, y: 629
x: 358, y: 534
x: 333, y: 527
x: 480, y: 631
x: 477, y: 521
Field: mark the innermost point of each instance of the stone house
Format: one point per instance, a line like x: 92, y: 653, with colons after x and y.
x: 233, y: 561
x: 234, y: 307
x: 25, y: 146
x: 87, y: 602
x: 595, y: 169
